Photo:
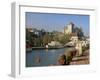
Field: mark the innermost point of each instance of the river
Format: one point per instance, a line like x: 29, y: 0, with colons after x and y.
x: 45, y: 57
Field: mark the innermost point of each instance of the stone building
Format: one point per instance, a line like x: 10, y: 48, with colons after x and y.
x: 69, y: 28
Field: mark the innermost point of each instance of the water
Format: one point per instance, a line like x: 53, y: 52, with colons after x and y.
x: 44, y: 57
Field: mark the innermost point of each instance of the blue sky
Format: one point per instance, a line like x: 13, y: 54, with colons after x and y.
x: 51, y: 22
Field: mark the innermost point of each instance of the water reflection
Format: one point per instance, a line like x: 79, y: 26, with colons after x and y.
x: 44, y: 57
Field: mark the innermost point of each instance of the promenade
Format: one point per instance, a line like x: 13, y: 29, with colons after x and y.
x: 84, y: 59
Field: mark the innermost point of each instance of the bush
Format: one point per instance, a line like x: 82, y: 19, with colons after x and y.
x: 84, y: 48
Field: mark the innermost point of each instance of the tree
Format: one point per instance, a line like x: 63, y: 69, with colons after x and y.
x: 46, y: 39
x: 64, y: 39
x: 79, y: 32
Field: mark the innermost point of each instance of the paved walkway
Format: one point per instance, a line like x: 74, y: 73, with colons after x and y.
x: 81, y: 60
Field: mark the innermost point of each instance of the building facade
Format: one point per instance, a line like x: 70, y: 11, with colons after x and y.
x: 69, y: 28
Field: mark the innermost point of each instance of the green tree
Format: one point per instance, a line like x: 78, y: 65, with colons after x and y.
x: 46, y: 39
x: 64, y: 39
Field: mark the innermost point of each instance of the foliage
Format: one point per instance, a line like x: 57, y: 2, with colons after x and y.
x: 43, y: 38
x: 46, y: 39
x: 84, y: 48
x: 64, y: 39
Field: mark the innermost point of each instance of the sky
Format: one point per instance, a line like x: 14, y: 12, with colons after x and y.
x: 56, y: 22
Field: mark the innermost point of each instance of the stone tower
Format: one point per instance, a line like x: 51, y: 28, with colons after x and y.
x: 69, y: 28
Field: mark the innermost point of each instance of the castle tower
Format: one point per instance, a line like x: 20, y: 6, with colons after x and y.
x: 69, y: 28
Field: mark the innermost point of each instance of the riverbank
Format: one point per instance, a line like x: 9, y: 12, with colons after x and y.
x: 84, y: 59
x: 44, y: 48
x: 70, y: 58
x: 80, y: 60
x: 39, y: 48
